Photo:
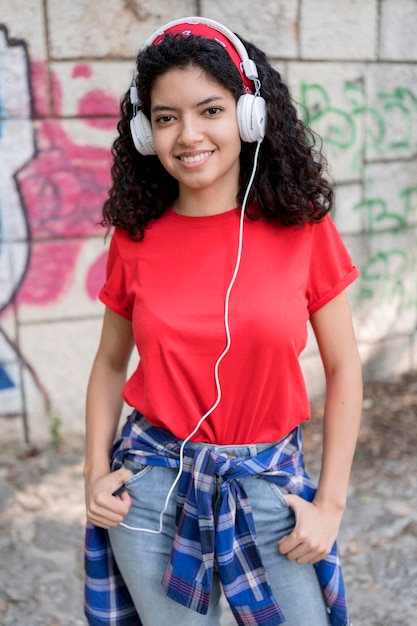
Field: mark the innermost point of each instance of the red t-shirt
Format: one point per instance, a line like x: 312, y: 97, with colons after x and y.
x: 172, y: 287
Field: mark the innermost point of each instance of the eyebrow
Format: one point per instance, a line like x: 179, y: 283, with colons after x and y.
x: 162, y: 107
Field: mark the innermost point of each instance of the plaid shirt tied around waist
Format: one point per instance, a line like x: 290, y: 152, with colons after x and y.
x: 189, y: 572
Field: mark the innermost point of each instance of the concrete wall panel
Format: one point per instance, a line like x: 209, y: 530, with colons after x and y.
x: 347, y: 29
x: 398, y: 40
x: 385, y: 297
x: 272, y: 25
x: 63, y: 352
x: 25, y: 20
x: 109, y: 28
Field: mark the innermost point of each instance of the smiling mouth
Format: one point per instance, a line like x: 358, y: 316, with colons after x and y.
x: 196, y: 158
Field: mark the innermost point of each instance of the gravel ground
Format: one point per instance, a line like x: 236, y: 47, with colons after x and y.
x: 42, y: 517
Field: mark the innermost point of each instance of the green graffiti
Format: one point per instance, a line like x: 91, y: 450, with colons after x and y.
x: 386, y: 267
x: 401, y: 101
x: 377, y: 212
x: 409, y: 195
x: 384, y: 278
x: 380, y: 217
x: 340, y: 130
x: 355, y: 126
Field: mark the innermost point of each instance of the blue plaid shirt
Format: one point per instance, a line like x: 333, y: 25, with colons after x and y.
x: 188, y: 575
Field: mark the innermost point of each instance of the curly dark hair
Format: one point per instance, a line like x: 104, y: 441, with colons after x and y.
x: 289, y: 187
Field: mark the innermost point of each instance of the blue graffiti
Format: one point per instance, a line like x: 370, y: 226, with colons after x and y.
x: 5, y: 380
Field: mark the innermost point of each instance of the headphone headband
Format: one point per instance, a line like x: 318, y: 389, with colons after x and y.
x: 210, y: 29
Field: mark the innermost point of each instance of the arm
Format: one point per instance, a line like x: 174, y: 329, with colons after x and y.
x: 104, y: 405
x: 317, y: 523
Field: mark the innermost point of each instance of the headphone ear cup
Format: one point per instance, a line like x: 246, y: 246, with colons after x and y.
x: 141, y: 131
x: 251, y: 117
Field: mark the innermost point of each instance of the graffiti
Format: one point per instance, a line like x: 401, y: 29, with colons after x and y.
x: 357, y: 129
x: 401, y: 105
x: 15, y: 373
x: 63, y: 188
x: 378, y: 214
x: 385, y: 276
x: 13, y: 223
x: 51, y: 192
x: 389, y: 125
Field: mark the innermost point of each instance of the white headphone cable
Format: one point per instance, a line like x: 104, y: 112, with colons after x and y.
x: 219, y: 360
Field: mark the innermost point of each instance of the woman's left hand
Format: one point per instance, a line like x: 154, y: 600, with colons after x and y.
x: 315, y: 531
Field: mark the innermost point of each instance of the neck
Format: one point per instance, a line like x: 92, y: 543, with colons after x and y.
x: 204, y: 202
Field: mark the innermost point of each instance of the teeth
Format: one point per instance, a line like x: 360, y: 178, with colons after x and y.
x: 195, y: 159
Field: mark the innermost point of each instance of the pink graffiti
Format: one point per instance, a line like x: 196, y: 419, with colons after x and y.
x: 40, y: 88
x: 81, y: 70
x: 50, y: 273
x: 65, y: 185
x: 96, y: 107
x: 95, y: 276
x: 63, y: 188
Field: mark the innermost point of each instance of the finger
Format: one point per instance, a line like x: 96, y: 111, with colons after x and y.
x: 104, y: 521
x: 112, y: 514
x: 292, y: 500
x: 287, y: 544
x: 126, y: 498
x: 301, y: 554
x: 304, y: 553
x: 303, y: 557
x: 116, y: 508
x: 310, y: 557
x: 119, y: 477
x: 296, y: 553
x: 292, y: 541
x: 123, y: 473
x: 108, y: 507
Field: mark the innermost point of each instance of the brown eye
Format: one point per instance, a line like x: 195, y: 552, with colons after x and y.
x: 164, y: 119
x: 213, y: 111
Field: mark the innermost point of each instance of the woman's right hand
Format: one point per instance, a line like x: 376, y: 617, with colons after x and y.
x: 103, y: 508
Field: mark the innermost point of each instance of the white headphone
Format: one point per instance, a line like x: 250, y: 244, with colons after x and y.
x: 251, y: 108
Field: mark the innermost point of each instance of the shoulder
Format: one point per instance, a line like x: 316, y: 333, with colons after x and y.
x: 122, y: 244
x: 121, y: 237
x: 326, y: 234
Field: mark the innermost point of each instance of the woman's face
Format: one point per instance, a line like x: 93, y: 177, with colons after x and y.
x: 195, y: 130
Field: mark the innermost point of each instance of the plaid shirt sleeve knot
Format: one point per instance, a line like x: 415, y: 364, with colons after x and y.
x: 198, y: 539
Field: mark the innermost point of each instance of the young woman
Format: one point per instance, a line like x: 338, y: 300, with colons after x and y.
x: 222, y: 250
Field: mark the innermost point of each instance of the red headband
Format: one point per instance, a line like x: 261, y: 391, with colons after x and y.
x: 203, y: 30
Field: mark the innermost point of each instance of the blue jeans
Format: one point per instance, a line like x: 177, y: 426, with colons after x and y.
x: 142, y: 557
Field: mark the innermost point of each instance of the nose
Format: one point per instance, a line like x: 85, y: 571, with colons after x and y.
x: 190, y: 130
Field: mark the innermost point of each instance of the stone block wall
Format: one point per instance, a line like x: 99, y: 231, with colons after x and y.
x: 352, y: 67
